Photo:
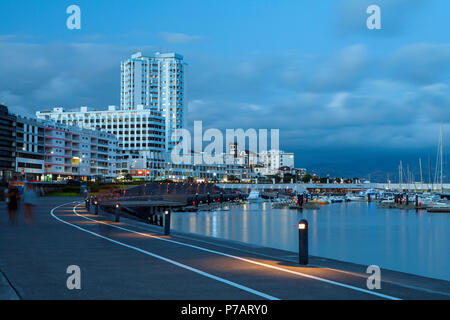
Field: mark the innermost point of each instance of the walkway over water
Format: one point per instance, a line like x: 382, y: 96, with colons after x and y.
x: 132, y: 260
x: 300, y: 187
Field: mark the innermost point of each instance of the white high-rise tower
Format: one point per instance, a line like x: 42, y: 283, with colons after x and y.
x: 155, y: 82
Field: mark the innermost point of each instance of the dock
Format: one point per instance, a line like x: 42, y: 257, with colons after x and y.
x: 410, y: 206
x: 439, y: 209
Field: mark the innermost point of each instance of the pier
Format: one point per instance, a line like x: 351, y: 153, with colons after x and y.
x: 345, y: 187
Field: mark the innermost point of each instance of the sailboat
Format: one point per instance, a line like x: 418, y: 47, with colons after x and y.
x: 254, y: 196
x: 439, y: 171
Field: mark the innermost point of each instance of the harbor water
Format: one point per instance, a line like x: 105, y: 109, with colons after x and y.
x: 409, y: 241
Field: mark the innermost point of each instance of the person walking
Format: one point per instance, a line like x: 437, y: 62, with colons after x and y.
x: 12, y: 200
x: 29, y: 201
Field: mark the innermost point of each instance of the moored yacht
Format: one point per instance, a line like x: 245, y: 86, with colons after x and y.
x: 254, y: 196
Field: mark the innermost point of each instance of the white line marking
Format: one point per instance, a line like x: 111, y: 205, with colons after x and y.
x: 247, y: 260
x: 205, y: 274
x: 363, y: 276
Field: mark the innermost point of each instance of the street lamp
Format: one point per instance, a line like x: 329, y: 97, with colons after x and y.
x: 303, y: 242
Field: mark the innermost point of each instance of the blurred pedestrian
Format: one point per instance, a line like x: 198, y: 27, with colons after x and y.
x: 30, y: 199
x: 12, y: 200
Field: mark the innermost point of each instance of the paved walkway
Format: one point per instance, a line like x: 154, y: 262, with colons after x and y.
x: 131, y: 260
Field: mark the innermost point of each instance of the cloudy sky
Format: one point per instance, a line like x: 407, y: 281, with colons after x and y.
x: 348, y: 101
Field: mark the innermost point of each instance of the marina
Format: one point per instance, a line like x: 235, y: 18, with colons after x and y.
x: 358, y: 232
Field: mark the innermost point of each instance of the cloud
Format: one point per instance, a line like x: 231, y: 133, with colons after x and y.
x: 59, y: 74
x: 344, y: 101
x: 58, y: 88
x: 338, y: 100
x: 343, y: 70
x: 421, y: 63
x: 181, y: 38
x: 323, y: 104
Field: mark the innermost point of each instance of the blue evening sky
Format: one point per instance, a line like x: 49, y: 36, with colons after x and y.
x: 348, y: 100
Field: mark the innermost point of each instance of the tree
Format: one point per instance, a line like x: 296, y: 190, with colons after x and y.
x: 214, y: 180
x: 277, y: 178
x: 323, y: 180
x: 307, y: 178
x: 288, y: 177
x: 190, y: 179
x: 232, y: 178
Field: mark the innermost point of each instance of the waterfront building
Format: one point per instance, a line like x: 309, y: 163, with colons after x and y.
x: 157, y: 83
x: 263, y: 163
x: 30, y: 148
x: 138, y: 129
x: 48, y: 151
x: 273, y: 160
x: 7, y: 144
x: 76, y: 152
x: 141, y: 167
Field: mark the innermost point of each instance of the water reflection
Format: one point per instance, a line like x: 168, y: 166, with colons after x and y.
x: 408, y: 241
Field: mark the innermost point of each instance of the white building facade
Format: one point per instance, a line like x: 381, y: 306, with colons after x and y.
x: 155, y: 82
x: 273, y: 160
x: 76, y: 152
x: 30, y: 148
x: 137, y: 130
x: 48, y: 151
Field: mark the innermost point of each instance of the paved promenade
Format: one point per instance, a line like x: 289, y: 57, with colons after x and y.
x: 132, y: 260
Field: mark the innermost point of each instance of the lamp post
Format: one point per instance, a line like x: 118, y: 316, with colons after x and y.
x: 167, y: 222
x: 96, y: 207
x: 116, y: 211
x: 303, y: 242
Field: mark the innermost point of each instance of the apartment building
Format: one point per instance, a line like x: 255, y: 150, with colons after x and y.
x: 30, y: 149
x: 273, y: 160
x: 137, y: 130
x: 49, y: 151
x: 155, y: 82
x: 7, y: 144
x: 140, y: 167
x: 76, y: 152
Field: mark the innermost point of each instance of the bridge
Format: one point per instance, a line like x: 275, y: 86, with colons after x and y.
x: 131, y: 259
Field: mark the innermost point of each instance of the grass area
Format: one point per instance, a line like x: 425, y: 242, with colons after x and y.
x: 100, y: 188
x: 96, y: 188
x: 63, y: 194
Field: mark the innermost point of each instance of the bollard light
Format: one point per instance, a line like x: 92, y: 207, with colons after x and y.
x: 117, y: 219
x: 303, y: 253
x: 167, y: 222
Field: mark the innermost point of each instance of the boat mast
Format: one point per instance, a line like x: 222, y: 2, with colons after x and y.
x: 439, y: 170
x: 442, y: 156
x: 408, y: 176
x: 421, y: 176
